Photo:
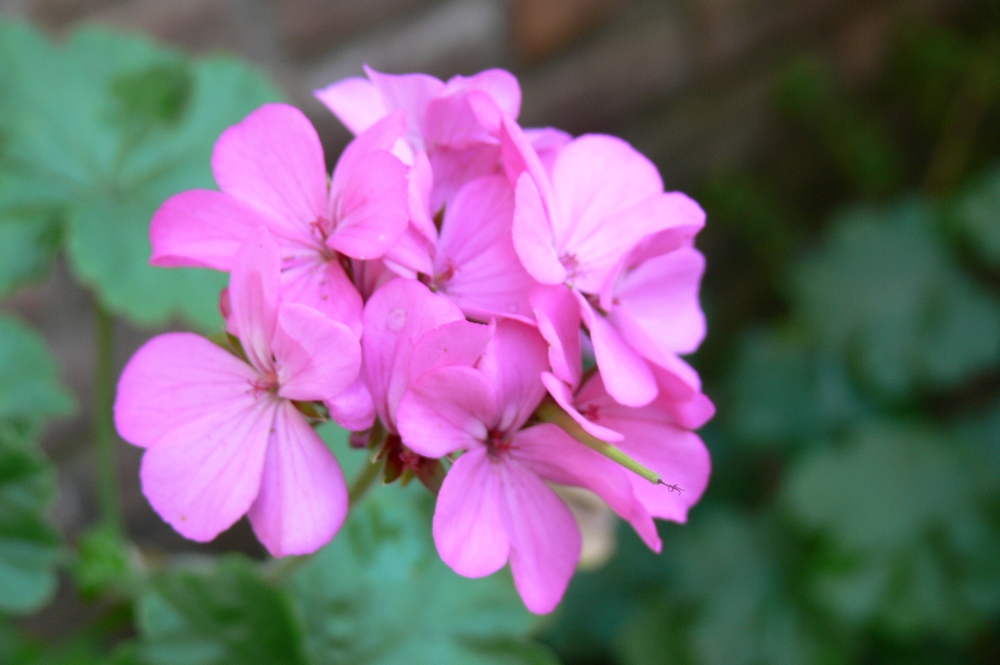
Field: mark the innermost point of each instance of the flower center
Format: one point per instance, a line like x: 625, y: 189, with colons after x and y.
x: 265, y: 383
x: 497, y: 445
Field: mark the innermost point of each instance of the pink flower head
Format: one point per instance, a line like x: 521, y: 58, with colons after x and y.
x: 223, y: 437
x: 272, y: 174
x: 495, y: 505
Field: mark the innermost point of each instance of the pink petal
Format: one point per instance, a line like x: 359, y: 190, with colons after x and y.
x: 626, y: 374
x: 409, y: 92
x: 324, y: 286
x: 454, y: 168
x: 396, y: 316
x: 381, y: 137
x: 533, y: 235
x: 303, y: 497
x: 317, y: 358
x: 657, y: 303
x: 202, y: 476
x: 498, y: 84
x: 373, y: 207
x: 513, y: 362
x: 179, y: 380
x: 448, y: 409
x: 519, y: 156
x: 469, y: 528
x: 558, y: 316
x: 203, y: 228
x: 547, y: 142
x: 563, y: 396
x: 486, y: 277
x: 454, y: 343
x: 273, y: 159
x: 594, y: 177
x: 654, y: 439
x: 253, y: 297
x: 544, y: 538
x: 559, y: 458
x: 411, y: 255
x: 620, y: 236
x: 353, y: 409
x: 355, y: 101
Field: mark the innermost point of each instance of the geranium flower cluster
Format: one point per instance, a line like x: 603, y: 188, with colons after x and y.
x: 437, y: 295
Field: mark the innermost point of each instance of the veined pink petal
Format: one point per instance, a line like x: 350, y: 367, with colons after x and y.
x: 455, y: 343
x: 355, y: 101
x: 544, y: 538
x: 303, y: 497
x: 594, y: 177
x: 476, y: 264
x: 273, y: 159
x: 558, y: 315
x: 627, y: 375
x: 656, y: 303
x: 448, y: 409
x: 512, y: 363
x: 454, y: 168
x: 469, y: 528
x: 179, y: 380
x: 379, y: 138
x: 396, y: 316
x: 253, y: 297
x: 203, y: 228
x: 323, y: 285
x: 409, y: 92
x: 559, y: 458
x: 616, y: 239
x: 411, y: 255
x: 532, y: 235
x: 317, y: 358
x: 202, y: 476
x: 372, y: 208
x: 461, y: 120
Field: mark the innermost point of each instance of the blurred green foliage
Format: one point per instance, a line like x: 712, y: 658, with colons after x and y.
x: 854, y: 356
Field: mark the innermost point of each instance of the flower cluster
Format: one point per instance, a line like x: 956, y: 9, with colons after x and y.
x: 437, y: 295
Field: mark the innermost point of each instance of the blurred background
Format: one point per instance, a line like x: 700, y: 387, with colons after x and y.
x: 847, y: 153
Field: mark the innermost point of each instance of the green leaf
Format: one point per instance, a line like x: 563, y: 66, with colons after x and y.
x: 224, y: 616
x: 730, y: 603
x: 29, y: 546
x: 784, y: 392
x: 978, y: 214
x: 908, y: 545
x: 114, y: 126
x: 380, y: 594
x: 885, y: 293
x: 29, y: 383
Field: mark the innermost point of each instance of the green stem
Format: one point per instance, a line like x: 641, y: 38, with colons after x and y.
x: 550, y: 412
x: 104, y: 425
x: 363, y: 482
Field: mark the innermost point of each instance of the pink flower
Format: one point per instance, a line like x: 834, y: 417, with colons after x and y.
x: 495, y: 505
x: 602, y: 206
x: 223, y: 437
x: 272, y: 174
